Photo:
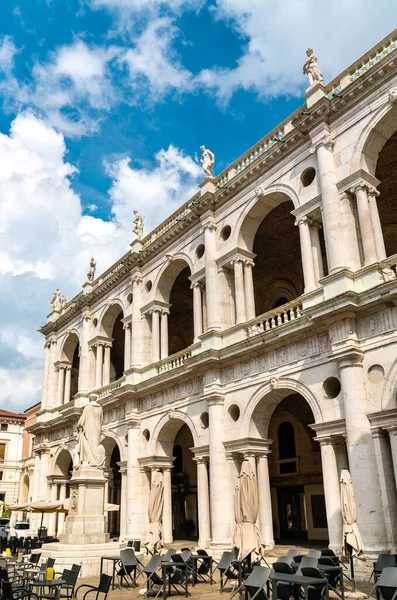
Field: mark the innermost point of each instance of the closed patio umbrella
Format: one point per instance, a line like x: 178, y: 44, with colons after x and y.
x: 351, y: 533
x: 251, y: 539
x: 153, y: 539
x: 237, y: 516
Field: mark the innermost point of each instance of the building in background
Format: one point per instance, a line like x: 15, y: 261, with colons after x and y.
x: 12, y: 427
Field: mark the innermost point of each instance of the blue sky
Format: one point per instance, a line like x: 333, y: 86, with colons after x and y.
x: 103, y: 107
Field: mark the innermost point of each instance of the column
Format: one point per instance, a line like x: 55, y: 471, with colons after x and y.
x: 164, y: 333
x: 387, y: 483
x: 393, y: 446
x: 85, y: 382
x: 155, y: 335
x: 52, y: 517
x: 316, y: 251
x: 376, y: 224
x: 61, y: 385
x: 307, y: 254
x: 249, y: 290
x: 123, y: 503
x: 360, y: 449
x: 35, y: 490
x: 197, y: 310
x: 136, y: 322
x: 106, y: 364
x: 265, y: 501
x: 221, y: 495
x: 211, y: 276
x: 167, y: 509
x: 203, y: 503
x: 135, y: 527
x: 52, y: 376
x: 337, y: 254
x: 331, y: 479
x: 239, y: 291
x: 99, y: 366
x: 46, y: 373
x: 364, y: 217
x: 127, y: 346
x: 340, y: 450
x: 68, y: 381
x: 61, y: 516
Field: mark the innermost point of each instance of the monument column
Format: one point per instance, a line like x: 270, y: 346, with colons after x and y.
x: 364, y: 217
x: 331, y: 482
x: 136, y: 320
x: 360, y: 449
x: 203, y: 503
x: 265, y: 500
x: 239, y: 291
x: 249, y: 290
x: 316, y: 251
x: 123, y: 500
x: 197, y: 310
x: 167, y: 509
x: 164, y: 334
x: 307, y: 254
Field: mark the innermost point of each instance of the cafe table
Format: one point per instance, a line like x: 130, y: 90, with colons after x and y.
x: 300, y: 580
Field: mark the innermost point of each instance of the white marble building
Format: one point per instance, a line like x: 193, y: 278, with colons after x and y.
x: 260, y: 321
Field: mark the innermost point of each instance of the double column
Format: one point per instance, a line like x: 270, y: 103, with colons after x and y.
x: 243, y: 289
x: 370, y: 226
x: 361, y: 453
x: 203, y: 499
x: 307, y: 252
x: 159, y: 333
x: 61, y: 516
x: 134, y: 506
x: 64, y: 383
x: 136, y: 319
x: 102, y: 363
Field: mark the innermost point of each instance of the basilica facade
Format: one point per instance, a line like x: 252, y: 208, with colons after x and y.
x: 258, y: 321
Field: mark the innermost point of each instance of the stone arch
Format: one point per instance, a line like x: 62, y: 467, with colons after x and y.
x: 61, y: 460
x: 389, y: 389
x: 166, y: 430
x: 373, y: 137
x: 109, y: 315
x: 276, y: 390
x: 69, y: 344
x: 257, y: 208
x: 168, y: 274
x: 280, y: 289
x: 107, y: 438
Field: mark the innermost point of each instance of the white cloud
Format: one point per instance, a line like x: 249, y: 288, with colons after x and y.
x: 275, y: 36
x: 7, y: 52
x: 148, y: 6
x: 46, y: 241
x: 156, y: 192
x: 152, y: 64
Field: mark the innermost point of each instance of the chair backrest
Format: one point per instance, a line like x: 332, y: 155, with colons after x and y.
x: 50, y: 562
x: 311, y: 572
x: 327, y: 552
x: 202, y: 552
x: 104, y: 583
x: 293, y: 552
x: 167, y: 556
x: 326, y: 560
x: 69, y: 576
x: 186, y: 550
x: 314, y: 553
x: 388, y: 579
x: 285, y: 559
x: 7, y: 590
x: 258, y: 577
x: 235, y: 552
x: 186, y: 554
x: 282, y: 567
x: 385, y: 560
x: 76, y: 568
x: 225, y: 560
x: 128, y: 558
x: 309, y: 561
x: 178, y: 559
x: 34, y: 558
x: 153, y: 564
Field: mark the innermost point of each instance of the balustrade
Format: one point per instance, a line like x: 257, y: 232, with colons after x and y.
x: 275, y: 318
x: 173, y: 362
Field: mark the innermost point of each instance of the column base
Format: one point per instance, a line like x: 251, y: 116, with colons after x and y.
x: 204, y: 543
x: 168, y: 540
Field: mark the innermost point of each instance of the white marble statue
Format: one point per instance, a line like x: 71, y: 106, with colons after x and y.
x: 91, y: 272
x: 311, y: 68
x: 63, y: 301
x: 138, y: 222
x: 207, y: 161
x: 89, y: 450
x: 56, y: 301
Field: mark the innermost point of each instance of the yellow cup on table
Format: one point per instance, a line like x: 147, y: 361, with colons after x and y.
x: 8, y: 551
x: 49, y: 574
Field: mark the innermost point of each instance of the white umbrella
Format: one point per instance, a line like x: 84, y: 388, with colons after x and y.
x: 153, y: 539
x: 351, y: 532
x: 251, y: 539
x: 237, y: 516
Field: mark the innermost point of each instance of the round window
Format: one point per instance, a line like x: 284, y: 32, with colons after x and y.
x: 308, y: 176
x: 331, y: 387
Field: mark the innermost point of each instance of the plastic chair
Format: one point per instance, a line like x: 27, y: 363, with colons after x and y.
x: 150, y: 570
x: 328, y: 553
x: 129, y: 566
x: 8, y: 592
x: 383, y: 561
x: 203, y: 569
x: 386, y: 584
x: 315, y: 590
x: 285, y: 559
x: 255, y: 583
x: 284, y: 590
x: 314, y: 553
x: 308, y: 561
x: 227, y: 569
x: 103, y: 587
x: 166, y: 557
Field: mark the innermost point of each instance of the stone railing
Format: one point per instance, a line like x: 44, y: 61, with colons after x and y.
x: 106, y: 390
x: 363, y: 65
x: 275, y: 318
x: 388, y: 268
x: 173, y: 362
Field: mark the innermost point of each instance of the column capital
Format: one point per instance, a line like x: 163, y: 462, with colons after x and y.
x: 304, y: 220
x: 249, y: 264
x: 127, y: 325
x: 215, y: 398
x: 321, y: 138
x: 378, y: 433
x: 391, y: 430
x: 197, y: 284
x: 201, y: 460
x: 350, y: 358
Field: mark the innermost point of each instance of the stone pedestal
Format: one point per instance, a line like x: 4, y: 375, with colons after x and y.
x: 85, y: 523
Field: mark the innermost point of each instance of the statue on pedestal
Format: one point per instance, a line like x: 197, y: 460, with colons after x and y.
x: 56, y: 301
x: 89, y: 450
x: 311, y: 68
x: 207, y: 161
x: 138, y: 222
x: 91, y: 272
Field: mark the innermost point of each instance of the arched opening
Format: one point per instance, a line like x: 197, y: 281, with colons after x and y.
x: 71, y: 354
x: 113, y: 485
x: 175, y: 440
x: 278, y: 259
x: 113, y: 329
x: 174, y: 290
x: 386, y: 172
x: 295, y: 469
x: 62, y: 473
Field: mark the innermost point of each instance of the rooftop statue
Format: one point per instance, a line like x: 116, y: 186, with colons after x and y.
x: 311, y: 68
x: 91, y: 272
x: 207, y: 160
x: 138, y: 222
x: 56, y: 301
x: 89, y: 450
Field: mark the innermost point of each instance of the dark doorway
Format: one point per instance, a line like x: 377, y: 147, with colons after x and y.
x: 291, y: 509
